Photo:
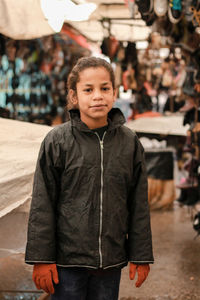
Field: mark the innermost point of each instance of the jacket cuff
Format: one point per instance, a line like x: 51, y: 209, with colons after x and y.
x: 30, y: 262
x: 142, y: 262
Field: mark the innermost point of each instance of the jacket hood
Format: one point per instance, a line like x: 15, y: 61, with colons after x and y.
x: 115, y: 119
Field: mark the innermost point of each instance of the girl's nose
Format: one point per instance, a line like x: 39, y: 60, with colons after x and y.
x: 97, y: 94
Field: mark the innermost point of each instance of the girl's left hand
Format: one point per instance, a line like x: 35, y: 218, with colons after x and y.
x: 142, y: 270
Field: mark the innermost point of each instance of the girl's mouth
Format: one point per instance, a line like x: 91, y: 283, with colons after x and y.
x: 98, y: 106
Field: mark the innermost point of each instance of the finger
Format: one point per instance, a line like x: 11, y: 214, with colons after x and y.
x: 37, y: 282
x: 34, y: 276
x: 44, y: 285
x: 142, y: 275
x: 55, y: 275
x: 140, y: 280
x: 147, y: 271
x: 132, y: 271
x: 146, y: 274
x: 49, y: 284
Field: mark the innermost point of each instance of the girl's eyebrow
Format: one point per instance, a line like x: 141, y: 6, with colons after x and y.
x: 90, y: 84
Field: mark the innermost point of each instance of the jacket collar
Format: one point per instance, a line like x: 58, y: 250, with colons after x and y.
x: 115, y: 119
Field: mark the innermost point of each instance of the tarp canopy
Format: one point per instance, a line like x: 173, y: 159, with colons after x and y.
x: 114, y: 18
x: 23, y: 19
x: 20, y: 142
x: 29, y: 19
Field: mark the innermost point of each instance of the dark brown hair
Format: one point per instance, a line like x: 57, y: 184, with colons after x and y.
x: 85, y: 63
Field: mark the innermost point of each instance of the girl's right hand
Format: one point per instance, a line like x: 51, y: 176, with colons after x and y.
x: 44, y: 275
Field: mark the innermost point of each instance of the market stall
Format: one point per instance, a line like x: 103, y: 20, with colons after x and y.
x: 160, y: 137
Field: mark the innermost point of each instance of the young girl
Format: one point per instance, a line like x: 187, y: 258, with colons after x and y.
x: 89, y: 215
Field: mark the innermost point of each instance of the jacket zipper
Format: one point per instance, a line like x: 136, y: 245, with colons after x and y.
x: 101, y: 198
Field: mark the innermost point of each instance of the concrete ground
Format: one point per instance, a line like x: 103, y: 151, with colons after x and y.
x: 174, y: 276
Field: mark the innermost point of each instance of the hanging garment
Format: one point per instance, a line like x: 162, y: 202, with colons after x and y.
x: 110, y: 46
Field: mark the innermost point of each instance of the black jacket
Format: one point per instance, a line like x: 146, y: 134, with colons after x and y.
x: 89, y: 206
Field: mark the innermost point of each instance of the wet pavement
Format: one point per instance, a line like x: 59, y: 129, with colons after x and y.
x: 174, y: 276
x: 176, y: 271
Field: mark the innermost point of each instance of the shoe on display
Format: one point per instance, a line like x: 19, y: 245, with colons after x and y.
x: 189, y: 104
x: 194, y: 11
x: 188, y: 148
x: 191, y: 165
x: 186, y: 9
x: 149, y: 19
x: 188, y: 86
x: 145, y: 7
x: 160, y: 7
x: 175, y: 11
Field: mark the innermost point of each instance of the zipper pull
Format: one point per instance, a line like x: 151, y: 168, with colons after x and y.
x: 101, y: 144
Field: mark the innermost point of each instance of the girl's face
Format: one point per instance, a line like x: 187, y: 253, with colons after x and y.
x: 95, y: 96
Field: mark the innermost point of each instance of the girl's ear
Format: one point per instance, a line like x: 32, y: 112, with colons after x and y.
x: 115, y: 94
x: 73, y: 97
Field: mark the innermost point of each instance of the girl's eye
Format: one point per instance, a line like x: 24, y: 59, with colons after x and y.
x: 88, y: 90
x: 106, y: 88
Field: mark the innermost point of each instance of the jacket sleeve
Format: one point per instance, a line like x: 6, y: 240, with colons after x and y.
x: 41, y: 243
x: 139, y: 234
